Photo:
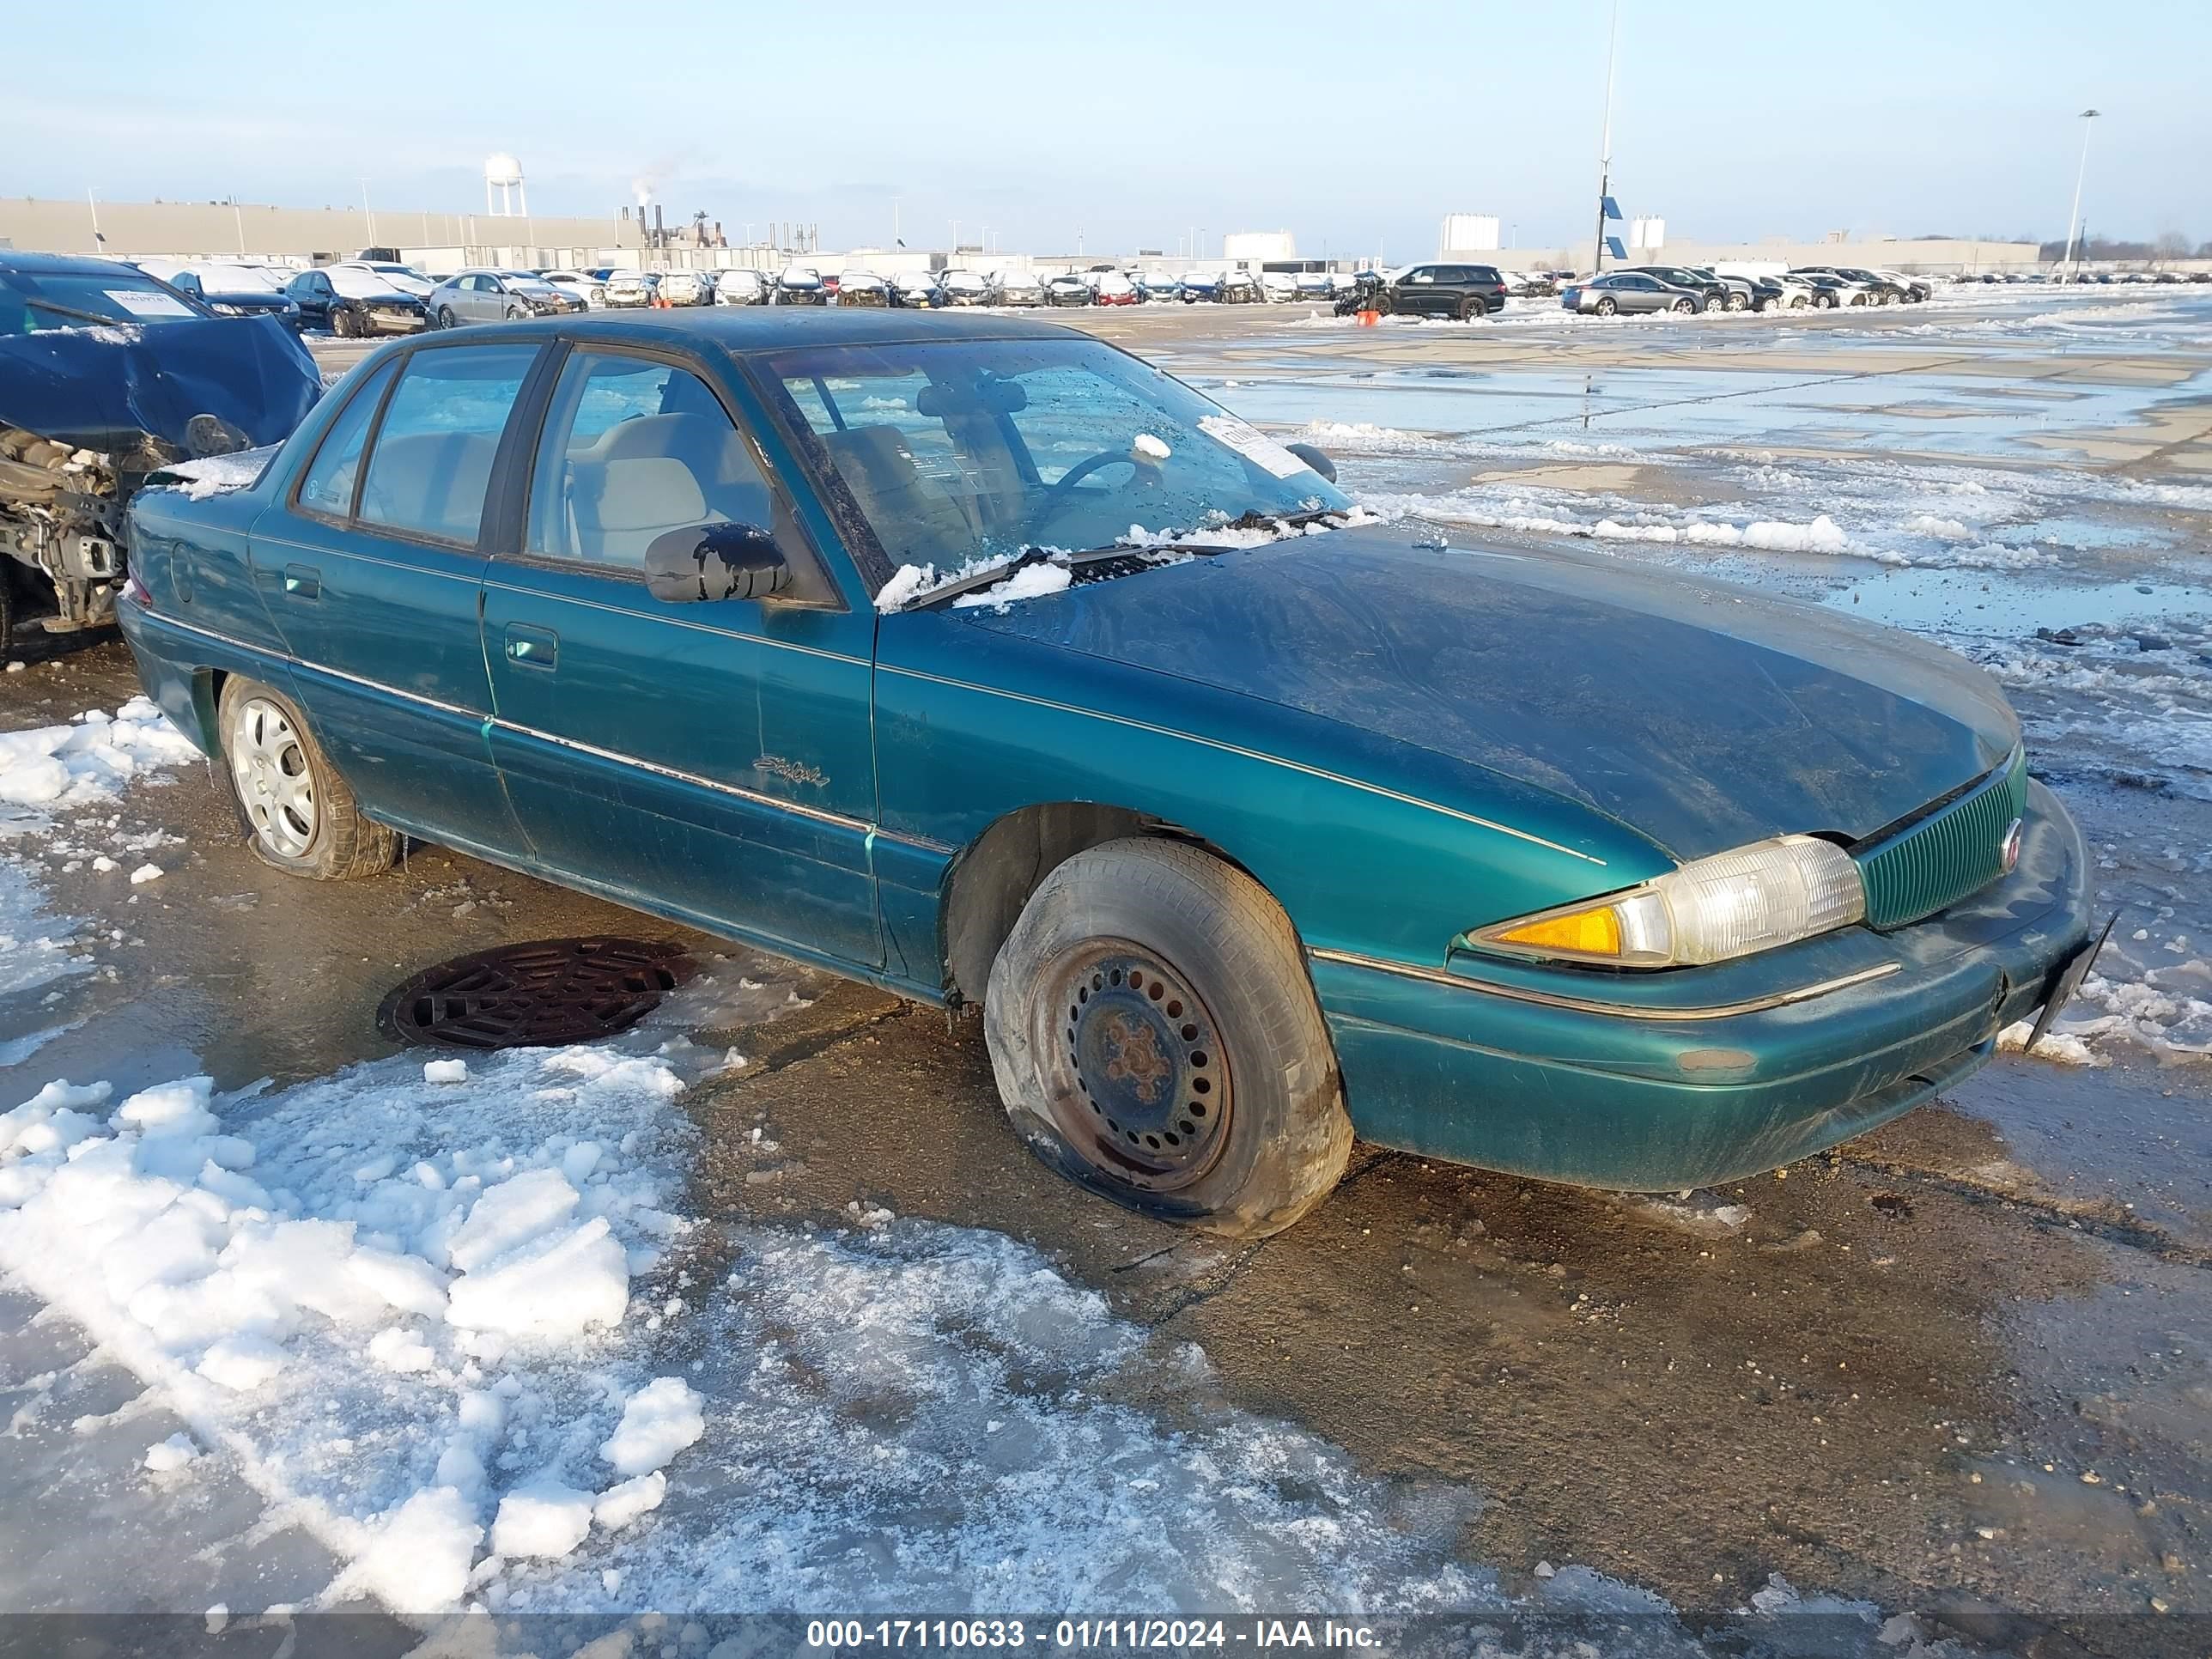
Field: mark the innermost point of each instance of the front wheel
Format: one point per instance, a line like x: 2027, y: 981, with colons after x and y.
x: 1155, y: 1038
x: 342, y: 323
x: 1684, y: 308
x: 514, y: 314
x: 297, y: 813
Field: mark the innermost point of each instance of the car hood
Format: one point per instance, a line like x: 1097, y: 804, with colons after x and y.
x: 1702, y: 714
x: 131, y: 390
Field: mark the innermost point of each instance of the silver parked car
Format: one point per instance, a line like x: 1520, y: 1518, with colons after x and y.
x: 740, y: 286
x: 490, y: 296
x: 1620, y: 291
x: 633, y: 288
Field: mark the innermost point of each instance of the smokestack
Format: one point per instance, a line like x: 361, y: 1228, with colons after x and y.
x: 660, y: 227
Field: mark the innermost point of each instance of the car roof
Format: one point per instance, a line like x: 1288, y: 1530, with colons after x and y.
x: 60, y: 265
x: 783, y: 327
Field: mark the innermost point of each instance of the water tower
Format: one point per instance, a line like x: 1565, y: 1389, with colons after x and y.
x: 503, y: 172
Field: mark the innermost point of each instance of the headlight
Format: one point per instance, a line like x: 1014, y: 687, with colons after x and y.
x: 1770, y: 893
x: 222, y: 310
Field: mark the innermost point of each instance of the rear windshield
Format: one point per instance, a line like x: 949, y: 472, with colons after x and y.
x: 30, y: 302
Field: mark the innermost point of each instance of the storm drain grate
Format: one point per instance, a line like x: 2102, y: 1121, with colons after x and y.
x: 547, y: 991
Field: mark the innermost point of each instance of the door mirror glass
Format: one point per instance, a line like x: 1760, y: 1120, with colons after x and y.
x: 1316, y: 458
x: 715, y: 561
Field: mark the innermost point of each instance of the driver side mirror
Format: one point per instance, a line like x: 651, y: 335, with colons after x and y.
x: 1317, y: 459
x: 715, y: 561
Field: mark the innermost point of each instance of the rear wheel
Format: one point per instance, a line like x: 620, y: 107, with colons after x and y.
x: 1471, y: 307
x: 1737, y: 301
x: 296, y: 811
x: 1155, y: 1038
x: 1606, y: 305
x: 444, y: 317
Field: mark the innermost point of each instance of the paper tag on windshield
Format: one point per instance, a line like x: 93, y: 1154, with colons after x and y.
x: 1254, y: 445
x: 147, y: 302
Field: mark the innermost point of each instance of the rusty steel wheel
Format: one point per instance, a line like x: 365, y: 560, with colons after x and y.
x: 1155, y: 1037
x: 1138, y: 1076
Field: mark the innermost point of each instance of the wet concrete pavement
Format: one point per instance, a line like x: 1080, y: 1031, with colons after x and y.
x: 1961, y: 1366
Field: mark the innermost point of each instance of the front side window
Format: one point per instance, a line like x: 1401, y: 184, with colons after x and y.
x: 1424, y: 274
x: 958, y: 452
x: 328, y: 486
x: 431, y: 468
x: 631, y: 449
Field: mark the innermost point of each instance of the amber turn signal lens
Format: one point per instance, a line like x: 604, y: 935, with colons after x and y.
x: 1587, y: 933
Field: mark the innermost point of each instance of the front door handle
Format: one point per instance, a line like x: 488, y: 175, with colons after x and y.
x: 532, y: 647
x: 303, y: 581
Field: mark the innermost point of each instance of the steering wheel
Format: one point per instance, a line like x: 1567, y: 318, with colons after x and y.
x: 1061, y: 491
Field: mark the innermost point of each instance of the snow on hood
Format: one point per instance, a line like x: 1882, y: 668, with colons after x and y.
x: 218, y: 475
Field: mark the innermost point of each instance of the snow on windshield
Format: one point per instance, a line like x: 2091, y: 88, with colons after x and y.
x: 237, y: 279
x: 360, y: 284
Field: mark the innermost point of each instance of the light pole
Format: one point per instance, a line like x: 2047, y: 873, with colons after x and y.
x: 369, y: 213
x: 2073, y: 219
x: 1604, y: 144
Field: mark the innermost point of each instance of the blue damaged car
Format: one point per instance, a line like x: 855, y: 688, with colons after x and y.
x: 981, y: 660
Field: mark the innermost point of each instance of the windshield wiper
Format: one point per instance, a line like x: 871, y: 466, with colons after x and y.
x: 69, y: 311
x: 1100, y: 563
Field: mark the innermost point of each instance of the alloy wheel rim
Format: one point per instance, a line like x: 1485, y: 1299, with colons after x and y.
x: 1136, y: 1075
x: 275, y: 785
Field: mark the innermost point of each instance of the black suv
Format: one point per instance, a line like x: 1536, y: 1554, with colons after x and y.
x: 1441, y: 291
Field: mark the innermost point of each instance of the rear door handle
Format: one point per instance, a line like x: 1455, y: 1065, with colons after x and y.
x: 303, y: 581
x: 532, y: 647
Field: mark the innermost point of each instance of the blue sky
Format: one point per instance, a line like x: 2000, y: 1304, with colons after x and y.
x: 1354, y: 125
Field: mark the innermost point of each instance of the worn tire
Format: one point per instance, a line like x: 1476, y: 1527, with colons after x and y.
x: 1279, y: 1137
x: 343, y: 844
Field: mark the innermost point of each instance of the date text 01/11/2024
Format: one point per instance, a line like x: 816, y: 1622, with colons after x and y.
x: 1126, y: 1634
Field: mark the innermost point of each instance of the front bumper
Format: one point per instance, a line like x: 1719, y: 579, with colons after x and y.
x: 1658, y: 1082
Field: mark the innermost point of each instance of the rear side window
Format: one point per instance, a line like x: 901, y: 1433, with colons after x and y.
x: 431, y: 467
x: 328, y: 487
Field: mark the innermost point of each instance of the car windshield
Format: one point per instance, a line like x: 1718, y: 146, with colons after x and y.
x: 406, y: 281
x: 32, y: 301
x: 357, y: 284
x: 236, y: 279
x: 965, y: 454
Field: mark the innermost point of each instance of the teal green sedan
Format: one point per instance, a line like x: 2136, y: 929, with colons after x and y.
x: 984, y: 662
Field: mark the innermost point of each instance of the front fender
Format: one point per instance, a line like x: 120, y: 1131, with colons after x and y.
x: 1372, y: 845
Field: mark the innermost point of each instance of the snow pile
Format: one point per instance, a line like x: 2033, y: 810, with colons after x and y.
x: 90, y: 759
x: 658, y: 1421
x: 1031, y: 581
x: 375, y: 1262
x: 218, y: 475
x: 411, y: 1314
